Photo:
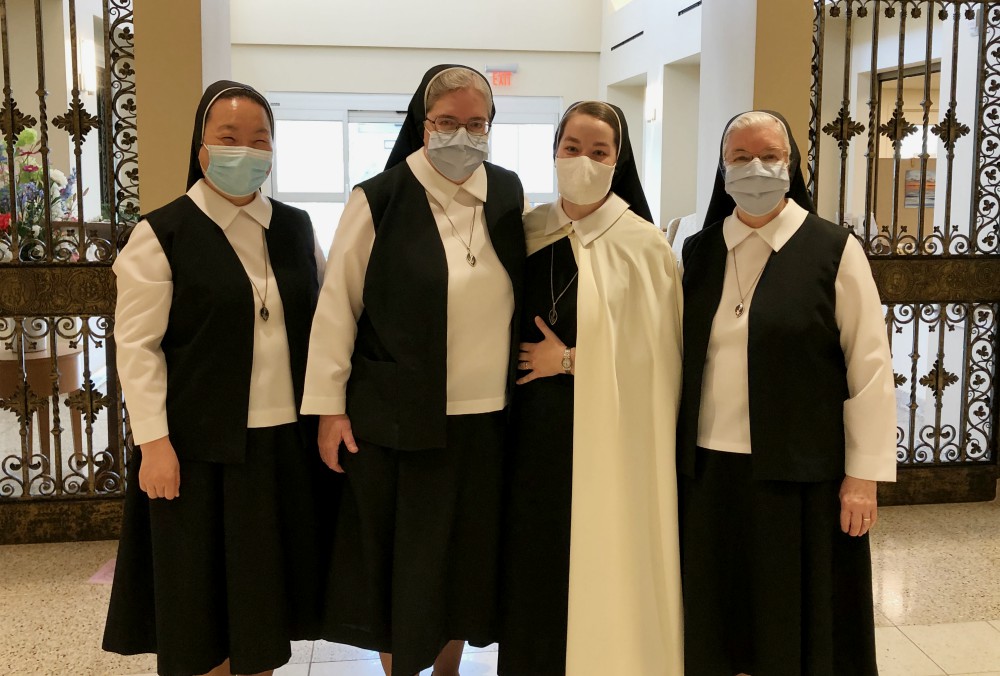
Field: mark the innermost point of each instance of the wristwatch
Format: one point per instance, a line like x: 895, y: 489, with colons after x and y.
x: 567, y: 361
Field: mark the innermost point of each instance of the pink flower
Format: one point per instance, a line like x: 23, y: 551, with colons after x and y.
x: 29, y: 168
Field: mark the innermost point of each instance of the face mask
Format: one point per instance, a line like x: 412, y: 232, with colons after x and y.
x: 757, y: 188
x: 582, y: 180
x: 237, y: 171
x: 457, y: 155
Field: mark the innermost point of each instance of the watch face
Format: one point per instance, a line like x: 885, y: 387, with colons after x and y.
x: 567, y: 363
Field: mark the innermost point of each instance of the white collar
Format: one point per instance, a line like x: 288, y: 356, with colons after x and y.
x: 589, y: 227
x: 441, y: 189
x: 223, y: 212
x: 775, y: 234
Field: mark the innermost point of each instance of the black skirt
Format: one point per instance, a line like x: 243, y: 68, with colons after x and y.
x: 539, y: 486
x: 416, y: 551
x: 772, y: 587
x: 232, y: 568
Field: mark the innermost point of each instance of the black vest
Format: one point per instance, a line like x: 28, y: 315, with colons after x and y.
x: 208, y: 344
x: 397, y: 391
x: 796, y: 369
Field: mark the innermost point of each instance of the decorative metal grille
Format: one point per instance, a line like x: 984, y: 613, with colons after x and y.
x: 945, y: 396
x: 904, y: 149
x: 68, y: 194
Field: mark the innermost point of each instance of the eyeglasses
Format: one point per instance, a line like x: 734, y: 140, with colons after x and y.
x: 741, y: 158
x: 449, y: 125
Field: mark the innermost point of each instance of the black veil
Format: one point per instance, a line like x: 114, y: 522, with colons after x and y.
x: 721, y: 205
x: 212, y: 93
x: 411, y: 135
x: 625, y: 183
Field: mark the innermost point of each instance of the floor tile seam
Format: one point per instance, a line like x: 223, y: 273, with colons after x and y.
x: 933, y: 661
x: 351, y: 659
x: 921, y: 650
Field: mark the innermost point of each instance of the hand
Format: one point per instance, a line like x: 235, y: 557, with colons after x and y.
x: 858, y: 506
x: 160, y: 471
x: 542, y: 359
x: 334, y: 430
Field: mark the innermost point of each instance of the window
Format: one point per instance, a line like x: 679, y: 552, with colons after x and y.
x: 371, y: 136
x: 325, y: 144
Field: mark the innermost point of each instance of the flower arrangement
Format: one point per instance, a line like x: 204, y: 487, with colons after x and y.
x: 29, y: 195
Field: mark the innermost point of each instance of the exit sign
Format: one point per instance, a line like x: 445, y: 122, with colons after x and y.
x: 501, y: 78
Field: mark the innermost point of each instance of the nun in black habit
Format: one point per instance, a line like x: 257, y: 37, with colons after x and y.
x: 410, y: 365
x: 591, y: 574
x: 787, y: 421
x: 222, y: 557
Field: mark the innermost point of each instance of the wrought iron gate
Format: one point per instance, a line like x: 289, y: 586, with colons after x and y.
x: 904, y: 148
x: 68, y: 191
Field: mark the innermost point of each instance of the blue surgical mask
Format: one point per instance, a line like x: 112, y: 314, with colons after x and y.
x: 237, y: 171
x: 457, y: 155
x: 756, y: 187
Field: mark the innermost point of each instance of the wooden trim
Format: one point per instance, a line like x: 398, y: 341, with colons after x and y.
x: 952, y: 279
x: 63, y: 520
x: 46, y: 290
x: 931, y: 485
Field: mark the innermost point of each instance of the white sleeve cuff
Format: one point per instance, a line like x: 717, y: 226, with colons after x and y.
x: 318, y: 405
x: 870, y: 435
x: 149, y: 429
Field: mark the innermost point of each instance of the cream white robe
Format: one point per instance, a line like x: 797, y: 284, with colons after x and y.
x: 625, y: 612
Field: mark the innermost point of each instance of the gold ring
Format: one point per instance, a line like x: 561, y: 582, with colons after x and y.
x: 865, y: 518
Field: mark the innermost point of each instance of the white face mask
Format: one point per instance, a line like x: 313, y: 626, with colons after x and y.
x: 457, y: 155
x: 757, y: 188
x: 582, y: 180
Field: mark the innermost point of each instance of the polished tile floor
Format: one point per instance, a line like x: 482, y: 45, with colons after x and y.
x: 937, y: 592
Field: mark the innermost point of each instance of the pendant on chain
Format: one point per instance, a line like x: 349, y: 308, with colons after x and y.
x: 470, y: 259
x: 553, y: 317
x: 264, y: 314
x: 739, y: 310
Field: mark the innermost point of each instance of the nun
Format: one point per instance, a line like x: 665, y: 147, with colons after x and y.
x: 411, y: 361
x: 788, y: 419
x: 591, y: 581
x: 221, y: 553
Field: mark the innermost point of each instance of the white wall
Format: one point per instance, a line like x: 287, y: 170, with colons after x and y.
x: 631, y: 98
x: 216, y: 39
x: 519, y: 25
x: 385, y: 46
x: 729, y: 28
x: 572, y: 76
x: 666, y: 39
x: 680, y: 130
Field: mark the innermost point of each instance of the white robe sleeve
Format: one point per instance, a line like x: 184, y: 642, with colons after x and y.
x: 335, y: 324
x: 870, y: 412
x: 145, y: 291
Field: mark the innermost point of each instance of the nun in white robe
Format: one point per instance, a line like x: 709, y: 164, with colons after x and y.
x: 591, y: 561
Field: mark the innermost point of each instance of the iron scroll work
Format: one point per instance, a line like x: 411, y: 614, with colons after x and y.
x: 68, y: 196
x: 904, y: 147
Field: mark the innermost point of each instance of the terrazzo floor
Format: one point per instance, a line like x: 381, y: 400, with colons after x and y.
x: 937, y: 597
